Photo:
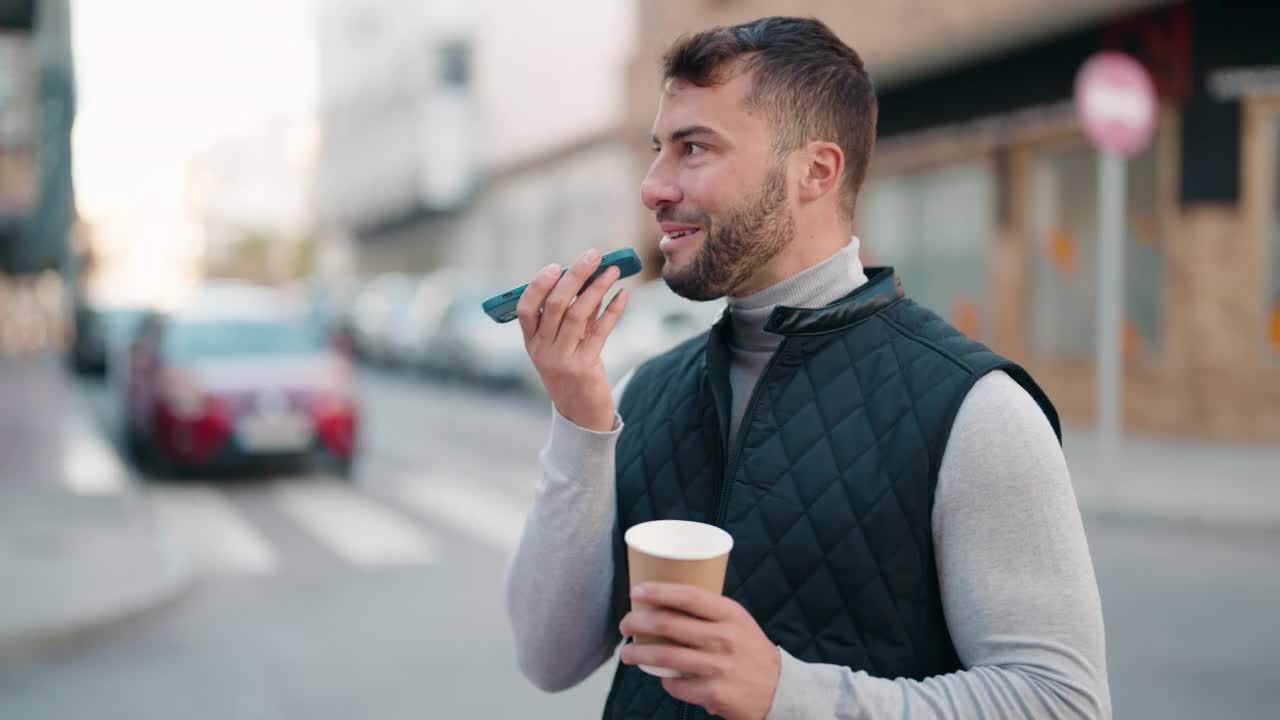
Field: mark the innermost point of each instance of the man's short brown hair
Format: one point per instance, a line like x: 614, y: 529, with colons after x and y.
x: 810, y: 84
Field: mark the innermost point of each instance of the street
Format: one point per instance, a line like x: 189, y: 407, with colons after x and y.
x: 320, y: 599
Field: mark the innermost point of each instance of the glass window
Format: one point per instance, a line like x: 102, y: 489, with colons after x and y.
x: 933, y: 227
x: 191, y: 341
x: 1064, y: 217
x: 455, y: 64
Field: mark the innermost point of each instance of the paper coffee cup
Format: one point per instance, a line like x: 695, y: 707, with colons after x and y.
x: 676, y: 551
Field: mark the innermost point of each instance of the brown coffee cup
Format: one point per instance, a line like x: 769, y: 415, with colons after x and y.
x: 676, y: 551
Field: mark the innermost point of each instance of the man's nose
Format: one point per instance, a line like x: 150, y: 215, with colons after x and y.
x: 658, y: 190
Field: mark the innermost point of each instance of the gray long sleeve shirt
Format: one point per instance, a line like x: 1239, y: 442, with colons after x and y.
x: 1017, y: 583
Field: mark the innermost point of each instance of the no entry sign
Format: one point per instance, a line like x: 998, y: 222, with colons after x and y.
x: 1116, y: 103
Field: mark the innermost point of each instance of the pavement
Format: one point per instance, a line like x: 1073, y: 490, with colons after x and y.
x: 81, y: 549
x: 1219, y: 487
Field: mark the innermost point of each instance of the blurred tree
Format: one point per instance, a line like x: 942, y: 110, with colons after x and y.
x: 248, y: 257
x: 302, y: 261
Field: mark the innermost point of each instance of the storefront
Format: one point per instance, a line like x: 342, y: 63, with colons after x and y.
x: 983, y: 193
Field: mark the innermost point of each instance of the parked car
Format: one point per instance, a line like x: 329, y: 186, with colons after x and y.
x: 100, y: 330
x: 378, y: 309
x: 331, y: 307
x: 228, y: 384
x: 656, y: 320
x: 419, y: 325
x: 470, y: 346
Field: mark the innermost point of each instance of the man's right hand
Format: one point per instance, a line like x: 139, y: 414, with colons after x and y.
x: 564, y: 337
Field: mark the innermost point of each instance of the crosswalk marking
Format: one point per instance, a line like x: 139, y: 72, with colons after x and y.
x: 211, y: 528
x: 482, y: 514
x: 354, y: 526
x: 365, y: 532
x: 89, y: 465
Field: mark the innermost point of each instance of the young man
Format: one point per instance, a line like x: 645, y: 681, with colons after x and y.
x: 907, y: 542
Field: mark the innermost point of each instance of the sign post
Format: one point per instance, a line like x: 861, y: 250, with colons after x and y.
x: 1115, y: 101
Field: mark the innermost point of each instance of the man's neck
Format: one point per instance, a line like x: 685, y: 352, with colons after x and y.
x: 813, y: 287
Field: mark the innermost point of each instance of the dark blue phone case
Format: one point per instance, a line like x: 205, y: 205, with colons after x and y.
x: 502, y: 308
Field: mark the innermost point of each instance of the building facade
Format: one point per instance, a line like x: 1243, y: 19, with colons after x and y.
x: 18, y: 91
x: 549, y: 207
x: 983, y: 189
x: 37, y: 109
x: 397, y: 143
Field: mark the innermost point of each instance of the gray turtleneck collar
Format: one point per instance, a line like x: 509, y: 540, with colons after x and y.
x: 814, y: 287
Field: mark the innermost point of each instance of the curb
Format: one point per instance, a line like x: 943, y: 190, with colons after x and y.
x: 159, y: 575
x: 1183, y: 519
x: 175, y: 579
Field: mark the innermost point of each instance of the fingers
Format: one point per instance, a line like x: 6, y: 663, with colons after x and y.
x: 584, y: 310
x: 687, y: 599
x: 600, y: 329
x: 695, y: 663
x: 676, y: 627
x: 528, y: 309
x: 561, y: 297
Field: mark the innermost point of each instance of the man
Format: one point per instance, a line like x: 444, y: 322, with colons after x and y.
x: 907, y: 542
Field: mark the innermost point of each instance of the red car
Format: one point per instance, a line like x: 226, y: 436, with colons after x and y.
x: 209, y: 387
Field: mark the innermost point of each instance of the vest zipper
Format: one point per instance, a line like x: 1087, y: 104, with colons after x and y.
x: 731, y: 465
x: 741, y: 436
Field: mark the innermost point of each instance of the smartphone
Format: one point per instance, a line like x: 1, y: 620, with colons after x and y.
x: 502, y: 308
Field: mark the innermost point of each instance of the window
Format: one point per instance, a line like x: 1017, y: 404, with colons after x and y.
x: 455, y: 64
x: 1064, y: 217
x: 933, y: 227
x: 195, y: 340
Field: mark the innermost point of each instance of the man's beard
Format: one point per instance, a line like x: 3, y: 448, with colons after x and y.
x: 747, y: 237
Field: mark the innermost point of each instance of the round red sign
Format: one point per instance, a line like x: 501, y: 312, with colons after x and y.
x: 1116, y: 103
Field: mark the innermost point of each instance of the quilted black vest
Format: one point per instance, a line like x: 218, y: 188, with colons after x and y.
x: 827, y: 488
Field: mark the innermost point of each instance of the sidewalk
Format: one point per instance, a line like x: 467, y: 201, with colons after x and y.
x: 1175, y: 481
x: 78, y: 548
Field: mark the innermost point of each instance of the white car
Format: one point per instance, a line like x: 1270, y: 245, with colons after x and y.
x: 656, y: 320
x: 420, y: 325
x: 471, y: 346
x: 378, y: 308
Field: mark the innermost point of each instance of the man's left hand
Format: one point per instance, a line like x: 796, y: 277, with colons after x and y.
x: 731, y: 668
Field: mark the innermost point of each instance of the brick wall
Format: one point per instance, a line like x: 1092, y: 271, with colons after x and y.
x: 1216, y: 379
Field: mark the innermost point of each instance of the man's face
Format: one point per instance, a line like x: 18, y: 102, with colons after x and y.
x: 716, y: 188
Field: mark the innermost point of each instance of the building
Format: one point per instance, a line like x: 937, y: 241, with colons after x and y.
x: 38, y: 268
x: 983, y: 188
x: 433, y: 113
x: 549, y: 207
x: 37, y: 108
x: 18, y: 89
x: 396, y: 152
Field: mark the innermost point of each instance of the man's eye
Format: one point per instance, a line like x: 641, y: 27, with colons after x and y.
x: 696, y: 148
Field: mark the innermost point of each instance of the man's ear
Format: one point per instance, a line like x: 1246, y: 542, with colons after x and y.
x: 823, y: 168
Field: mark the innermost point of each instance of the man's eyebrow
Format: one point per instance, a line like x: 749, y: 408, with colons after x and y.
x: 684, y: 133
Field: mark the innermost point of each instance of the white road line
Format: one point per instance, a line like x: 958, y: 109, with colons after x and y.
x: 90, y: 466
x: 212, y: 529
x: 482, y: 514
x: 354, y: 526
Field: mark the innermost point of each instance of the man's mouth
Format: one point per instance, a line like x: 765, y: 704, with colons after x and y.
x: 676, y: 237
